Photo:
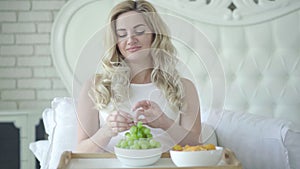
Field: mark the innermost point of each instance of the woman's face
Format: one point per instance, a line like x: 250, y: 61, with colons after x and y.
x: 133, y: 34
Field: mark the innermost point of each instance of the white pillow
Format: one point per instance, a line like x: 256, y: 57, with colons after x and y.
x: 64, y: 135
x: 259, y: 142
x: 48, y: 120
x: 40, y: 150
x: 60, y: 123
x: 292, y: 142
x: 208, y: 134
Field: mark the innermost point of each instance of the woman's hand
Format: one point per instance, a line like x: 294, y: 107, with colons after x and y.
x: 152, y: 114
x: 119, y: 121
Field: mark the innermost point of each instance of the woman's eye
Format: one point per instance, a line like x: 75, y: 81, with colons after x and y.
x: 139, y: 32
x: 122, y: 35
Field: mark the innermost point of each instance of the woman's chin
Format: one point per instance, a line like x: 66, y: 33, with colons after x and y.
x: 139, y: 56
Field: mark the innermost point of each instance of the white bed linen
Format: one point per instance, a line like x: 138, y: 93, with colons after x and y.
x: 260, y: 142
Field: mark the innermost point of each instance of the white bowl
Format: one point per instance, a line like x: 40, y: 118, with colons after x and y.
x: 196, y: 158
x: 138, y: 158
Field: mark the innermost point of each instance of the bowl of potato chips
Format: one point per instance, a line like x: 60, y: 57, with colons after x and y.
x: 199, y: 155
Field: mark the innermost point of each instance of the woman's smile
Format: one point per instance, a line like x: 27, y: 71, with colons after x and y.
x: 133, y: 48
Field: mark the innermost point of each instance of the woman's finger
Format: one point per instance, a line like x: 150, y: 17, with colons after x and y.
x: 125, y: 115
x: 120, y: 129
x: 144, y: 121
x: 119, y: 117
x: 119, y: 124
x: 145, y: 104
x: 116, y: 118
x: 141, y: 114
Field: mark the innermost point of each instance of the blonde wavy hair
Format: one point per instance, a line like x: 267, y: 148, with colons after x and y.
x: 112, y: 84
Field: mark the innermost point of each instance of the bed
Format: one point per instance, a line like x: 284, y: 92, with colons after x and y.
x: 243, y: 56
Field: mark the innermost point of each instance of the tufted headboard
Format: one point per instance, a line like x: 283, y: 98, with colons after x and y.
x: 250, y: 61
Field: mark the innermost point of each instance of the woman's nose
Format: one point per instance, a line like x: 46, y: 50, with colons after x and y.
x: 131, y: 39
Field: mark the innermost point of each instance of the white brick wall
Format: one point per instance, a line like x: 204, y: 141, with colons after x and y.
x: 18, y: 27
x: 8, y: 16
x: 6, y: 39
x: 28, y: 79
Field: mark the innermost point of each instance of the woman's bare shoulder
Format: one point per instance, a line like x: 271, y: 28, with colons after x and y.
x: 189, y: 87
x: 187, y: 82
x: 90, y: 83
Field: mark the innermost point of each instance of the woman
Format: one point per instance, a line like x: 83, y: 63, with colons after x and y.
x: 139, y: 82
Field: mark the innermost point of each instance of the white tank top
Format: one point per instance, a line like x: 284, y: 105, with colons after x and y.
x: 138, y: 92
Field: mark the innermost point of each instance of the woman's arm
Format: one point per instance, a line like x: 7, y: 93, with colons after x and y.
x: 188, y: 130
x: 90, y: 136
x: 190, y: 120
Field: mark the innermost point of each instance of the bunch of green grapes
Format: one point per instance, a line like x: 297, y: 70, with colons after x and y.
x: 138, y: 137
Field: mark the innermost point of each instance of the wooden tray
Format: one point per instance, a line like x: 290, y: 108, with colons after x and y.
x: 71, y: 160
